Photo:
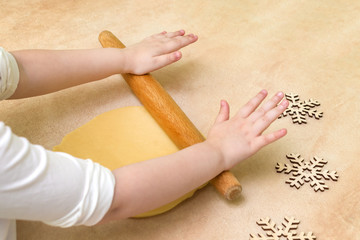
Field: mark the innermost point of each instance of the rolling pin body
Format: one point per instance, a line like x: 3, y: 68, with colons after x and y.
x: 170, y: 117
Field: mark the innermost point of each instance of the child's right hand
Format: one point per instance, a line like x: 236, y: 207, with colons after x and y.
x: 172, y: 176
x: 242, y: 136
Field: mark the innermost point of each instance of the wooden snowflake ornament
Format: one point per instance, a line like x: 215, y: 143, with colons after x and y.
x: 311, y: 172
x: 298, y: 109
x: 276, y: 233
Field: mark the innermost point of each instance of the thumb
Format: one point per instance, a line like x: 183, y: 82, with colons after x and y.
x: 223, y: 113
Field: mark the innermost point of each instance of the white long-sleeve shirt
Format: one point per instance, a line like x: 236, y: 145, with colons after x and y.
x: 41, y: 185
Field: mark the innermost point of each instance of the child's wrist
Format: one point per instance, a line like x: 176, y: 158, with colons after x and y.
x: 123, y: 61
x: 217, y: 154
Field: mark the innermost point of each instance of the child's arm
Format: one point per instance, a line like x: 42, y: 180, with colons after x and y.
x: 147, y: 185
x: 45, y: 71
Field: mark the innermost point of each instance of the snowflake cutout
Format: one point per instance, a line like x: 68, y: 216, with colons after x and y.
x: 276, y: 233
x: 306, y: 172
x: 298, y: 110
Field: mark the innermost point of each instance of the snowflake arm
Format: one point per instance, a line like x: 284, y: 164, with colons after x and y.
x: 274, y: 233
x: 292, y: 97
x: 314, y: 113
x: 317, y: 184
x: 290, y: 224
x: 326, y: 174
x: 262, y: 237
x: 298, y: 117
x: 295, y: 181
x: 287, y: 168
x: 317, y: 162
x: 267, y: 225
x: 303, y: 236
x: 295, y: 158
x: 311, y: 103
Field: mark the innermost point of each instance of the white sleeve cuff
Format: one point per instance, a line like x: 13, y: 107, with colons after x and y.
x: 9, y: 74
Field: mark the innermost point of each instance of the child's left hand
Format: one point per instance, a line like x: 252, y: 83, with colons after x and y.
x: 156, y: 51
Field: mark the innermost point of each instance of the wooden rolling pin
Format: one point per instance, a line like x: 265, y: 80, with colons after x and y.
x: 170, y: 117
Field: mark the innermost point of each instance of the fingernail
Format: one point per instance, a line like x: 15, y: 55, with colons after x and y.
x: 284, y: 103
x: 280, y: 94
x: 177, y: 54
x: 263, y: 91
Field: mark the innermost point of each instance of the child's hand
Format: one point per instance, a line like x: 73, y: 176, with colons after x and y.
x: 156, y: 51
x: 241, y: 136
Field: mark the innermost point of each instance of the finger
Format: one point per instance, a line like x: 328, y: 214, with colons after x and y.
x: 162, y: 34
x: 175, y: 43
x: 223, y: 113
x: 250, y: 106
x: 264, y: 122
x: 264, y: 140
x: 175, y: 34
x: 273, y: 102
x: 165, y: 59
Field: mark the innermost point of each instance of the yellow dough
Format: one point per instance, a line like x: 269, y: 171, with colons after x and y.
x: 118, y: 138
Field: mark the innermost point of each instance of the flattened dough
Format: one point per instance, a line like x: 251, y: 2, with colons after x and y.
x: 121, y: 137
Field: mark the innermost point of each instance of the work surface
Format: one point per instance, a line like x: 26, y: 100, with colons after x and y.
x: 311, y: 48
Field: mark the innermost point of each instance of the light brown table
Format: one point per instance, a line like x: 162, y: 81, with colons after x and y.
x: 308, y: 47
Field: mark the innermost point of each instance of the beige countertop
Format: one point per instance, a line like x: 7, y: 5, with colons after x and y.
x: 311, y: 48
